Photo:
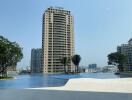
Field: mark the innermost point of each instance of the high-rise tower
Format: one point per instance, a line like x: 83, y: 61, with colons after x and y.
x: 36, y: 61
x: 57, y: 39
x: 126, y: 49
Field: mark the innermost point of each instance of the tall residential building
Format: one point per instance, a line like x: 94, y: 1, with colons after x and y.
x: 126, y: 49
x: 57, y: 39
x: 36, y: 60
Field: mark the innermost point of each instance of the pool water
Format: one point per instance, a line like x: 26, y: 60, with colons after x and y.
x: 32, y: 81
x: 88, y: 75
x: 39, y: 80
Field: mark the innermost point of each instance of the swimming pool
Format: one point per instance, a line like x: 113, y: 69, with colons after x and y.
x: 40, y: 80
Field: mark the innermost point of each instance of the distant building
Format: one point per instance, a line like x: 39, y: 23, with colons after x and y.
x: 92, y: 66
x: 109, y: 69
x: 57, y: 39
x: 11, y: 68
x: 36, y: 61
x: 126, y: 49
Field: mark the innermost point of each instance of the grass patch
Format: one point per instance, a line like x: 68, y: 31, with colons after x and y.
x: 128, y: 71
x: 6, y: 78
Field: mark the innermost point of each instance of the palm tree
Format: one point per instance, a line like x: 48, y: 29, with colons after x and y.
x: 76, y: 60
x: 65, y: 61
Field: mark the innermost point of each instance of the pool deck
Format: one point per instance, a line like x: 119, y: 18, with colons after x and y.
x: 75, y: 89
x: 118, y: 85
x: 26, y: 94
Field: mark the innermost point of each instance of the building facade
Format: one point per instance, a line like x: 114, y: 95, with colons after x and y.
x: 92, y: 66
x: 36, y: 60
x: 126, y: 49
x: 57, y: 39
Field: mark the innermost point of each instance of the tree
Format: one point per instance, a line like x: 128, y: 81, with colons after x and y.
x: 65, y: 62
x: 76, y: 60
x: 117, y: 59
x: 10, y: 54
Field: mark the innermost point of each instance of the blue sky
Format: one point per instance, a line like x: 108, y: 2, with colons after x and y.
x: 100, y: 25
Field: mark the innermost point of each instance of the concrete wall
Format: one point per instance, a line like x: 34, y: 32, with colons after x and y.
x: 125, y: 74
x: 27, y: 94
